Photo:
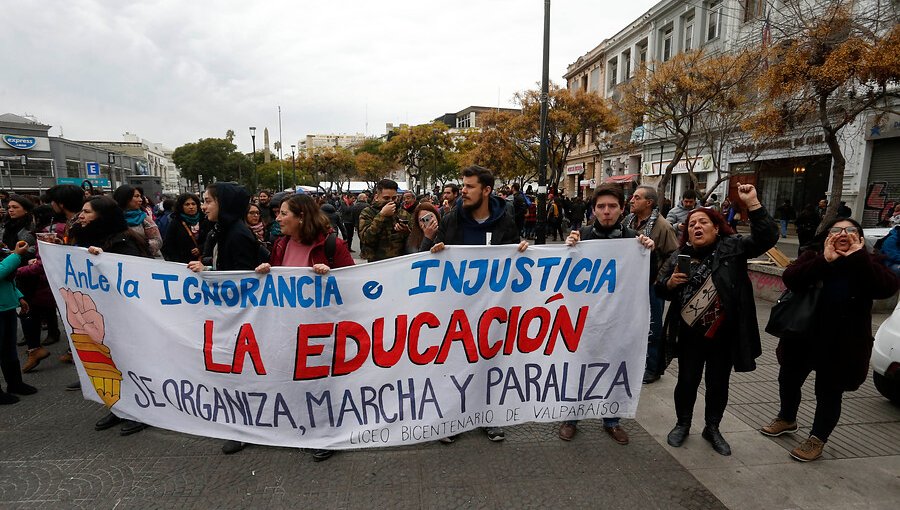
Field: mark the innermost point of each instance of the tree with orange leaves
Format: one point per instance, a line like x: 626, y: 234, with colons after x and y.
x: 692, y: 94
x: 511, y: 141
x: 830, y: 62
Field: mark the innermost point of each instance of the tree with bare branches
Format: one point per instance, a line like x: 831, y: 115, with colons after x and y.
x: 830, y: 62
x: 688, y: 95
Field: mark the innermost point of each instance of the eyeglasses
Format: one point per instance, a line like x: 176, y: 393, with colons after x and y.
x: 838, y: 230
x: 253, y: 213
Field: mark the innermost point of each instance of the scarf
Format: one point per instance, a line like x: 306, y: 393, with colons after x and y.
x: 191, y: 220
x: 614, y: 232
x: 702, y: 307
x: 632, y: 221
x: 135, y: 217
x: 258, y: 230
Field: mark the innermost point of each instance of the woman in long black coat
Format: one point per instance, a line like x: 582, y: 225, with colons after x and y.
x: 840, y: 344
x: 715, y: 309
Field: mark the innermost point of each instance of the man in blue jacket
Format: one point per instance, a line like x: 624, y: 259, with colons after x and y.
x: 483, y: 219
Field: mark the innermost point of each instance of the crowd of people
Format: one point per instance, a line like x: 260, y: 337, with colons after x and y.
x: 698, y: 263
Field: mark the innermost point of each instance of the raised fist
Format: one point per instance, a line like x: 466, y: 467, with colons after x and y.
x: 82, y: 315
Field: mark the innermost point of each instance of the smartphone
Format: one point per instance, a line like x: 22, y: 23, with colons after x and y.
x: 426, y: 219
x: 403, y: 222
x: 684, y: 264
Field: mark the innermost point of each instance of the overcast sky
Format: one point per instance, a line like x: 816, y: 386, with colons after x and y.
x: 174, y: 71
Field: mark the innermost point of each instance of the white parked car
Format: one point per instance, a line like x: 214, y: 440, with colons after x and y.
x: 886, y: 358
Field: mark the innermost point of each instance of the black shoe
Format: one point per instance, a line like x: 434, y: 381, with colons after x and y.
x: 131, y: 427
x: 650, y: 377
x: 21, y: 389
x: 320, y: 455
x: 7, y: 398
x: 75, y: 386
x: 108, y: 421
x: 232, y: 447
x: 678, y: 434
x: 720, y: 445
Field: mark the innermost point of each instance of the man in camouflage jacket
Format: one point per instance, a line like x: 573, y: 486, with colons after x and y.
x: 383, y: 226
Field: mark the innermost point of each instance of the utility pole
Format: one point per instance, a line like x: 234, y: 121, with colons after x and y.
x: 541, y: 227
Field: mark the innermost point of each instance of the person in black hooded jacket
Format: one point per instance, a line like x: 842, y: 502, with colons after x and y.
x: 230, y: 246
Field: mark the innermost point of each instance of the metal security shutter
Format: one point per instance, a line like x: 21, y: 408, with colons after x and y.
x: 883, y: 188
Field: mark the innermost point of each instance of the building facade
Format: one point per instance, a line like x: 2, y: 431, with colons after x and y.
x: 31, y: 160
x: 795, y: 167
x: 317, y: 142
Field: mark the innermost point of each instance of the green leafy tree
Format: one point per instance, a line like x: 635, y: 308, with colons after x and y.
x: 425, y: 151
x: 208, y: 157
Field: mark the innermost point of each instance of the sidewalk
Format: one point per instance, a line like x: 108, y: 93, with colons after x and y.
x: 860, y: 467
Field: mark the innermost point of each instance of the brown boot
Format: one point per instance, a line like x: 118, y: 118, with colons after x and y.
x: 66, y: 358
x: 779, y: 427
x: 809, y: 450
x: 34, y: 357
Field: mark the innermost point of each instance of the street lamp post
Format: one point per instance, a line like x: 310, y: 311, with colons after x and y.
x: 255, y: 173
x: 293, y: 169
x: 541, y: 227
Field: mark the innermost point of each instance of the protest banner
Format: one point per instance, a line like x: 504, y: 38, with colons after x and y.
x: 395, y: 352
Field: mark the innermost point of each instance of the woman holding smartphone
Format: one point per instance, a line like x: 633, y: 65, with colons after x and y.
x: 707, y: 282
x: 424, y: 224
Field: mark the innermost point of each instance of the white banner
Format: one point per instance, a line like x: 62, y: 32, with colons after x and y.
x: 396, y: 352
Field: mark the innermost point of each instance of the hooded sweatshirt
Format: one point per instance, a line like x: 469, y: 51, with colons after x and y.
x: 234, y: 247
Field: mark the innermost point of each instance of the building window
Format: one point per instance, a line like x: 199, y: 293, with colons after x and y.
x: 713, y: 20
x: 689, y: 32
x: 666, y: 44
x: 463, y: 122
x: 642, y: 52
x: 753, y: 9
x: 626, y: 61
x: 612, y: 70
x: 595, y: 79
x: 72, y: 168
x: 584, y: 83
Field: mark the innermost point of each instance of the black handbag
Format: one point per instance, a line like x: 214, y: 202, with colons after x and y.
x: 794, y: 314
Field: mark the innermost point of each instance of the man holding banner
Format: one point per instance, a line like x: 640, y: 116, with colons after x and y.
x: 482, y: 220
x: 607, y: 204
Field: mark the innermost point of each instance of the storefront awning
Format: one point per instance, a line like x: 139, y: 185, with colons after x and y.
x: 621, y: 179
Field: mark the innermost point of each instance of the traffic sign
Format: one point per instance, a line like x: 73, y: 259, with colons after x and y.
x: 93, y: 168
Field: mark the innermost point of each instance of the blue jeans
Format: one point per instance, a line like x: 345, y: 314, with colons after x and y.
x: 655, y: 363
x: 607, y: 422
x: 784, y: 224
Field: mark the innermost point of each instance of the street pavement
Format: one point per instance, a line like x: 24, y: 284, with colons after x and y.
x: 50, y: 457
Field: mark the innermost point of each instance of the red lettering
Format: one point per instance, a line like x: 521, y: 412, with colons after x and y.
x: 530, y: 344
x: 302, y: 371
x: 484, y: 327
x: 349, y: 330
x: 562, y: 325
x: 459, y: 330
x: 511, y: 330
x: 426, y: 357
x: 211, y: 366
x: 246, y: 344
x: 387, y: 359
